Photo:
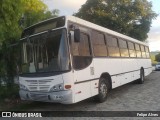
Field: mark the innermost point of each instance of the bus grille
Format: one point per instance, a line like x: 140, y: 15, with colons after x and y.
x: 39, y: 85
x: 42, y: 97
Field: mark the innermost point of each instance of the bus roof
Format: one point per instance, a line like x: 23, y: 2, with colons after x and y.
x: 102, y: 29
x: 93, y: 26
x: 43, y: 22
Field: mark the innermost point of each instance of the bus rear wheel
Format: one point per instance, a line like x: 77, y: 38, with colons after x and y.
x: 142, y: 77
x: 103, y: 90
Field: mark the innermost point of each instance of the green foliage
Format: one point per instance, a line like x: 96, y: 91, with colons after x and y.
x: 10, y: 13
x: 36, y: 11
x: 153, y: 59
x: 32, y: 17
x: 6, y: 92
x: 157, y: 57
x: 129, y: 17
x: 17, y: 13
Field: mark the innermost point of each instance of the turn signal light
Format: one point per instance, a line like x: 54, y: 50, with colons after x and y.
x: 68, y: 86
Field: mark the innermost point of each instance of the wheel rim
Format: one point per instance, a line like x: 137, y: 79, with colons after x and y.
x: 103, y: 90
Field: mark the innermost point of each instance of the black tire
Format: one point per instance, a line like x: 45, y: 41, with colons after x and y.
x: 103, y: 90
x: 142, y: 77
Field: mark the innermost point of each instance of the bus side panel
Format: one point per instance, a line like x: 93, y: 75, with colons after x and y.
x: 116, y: 81
x: 85, y: 90
x: 82, y: 91
x: 148, y: 69
x: 107, y: 65
x: 129, y: 65
x: 136, y: 75
x: 112, y: 66
x: 146, y: 64
x: 127, y: 78
x: 82, y: 81
x: 68, y: 79
x: 129, y: 68
x: 94, y: 87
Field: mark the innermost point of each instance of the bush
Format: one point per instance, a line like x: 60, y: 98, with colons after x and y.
x: 7, y: 72
x: 9, y: 92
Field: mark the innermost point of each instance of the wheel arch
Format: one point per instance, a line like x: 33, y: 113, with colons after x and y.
x: 107, y: 76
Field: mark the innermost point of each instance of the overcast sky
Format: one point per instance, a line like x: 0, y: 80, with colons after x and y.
x: 68, y: 7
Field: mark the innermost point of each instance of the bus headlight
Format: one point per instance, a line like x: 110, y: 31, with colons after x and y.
x: 58, y: 87
x: 22, y: 87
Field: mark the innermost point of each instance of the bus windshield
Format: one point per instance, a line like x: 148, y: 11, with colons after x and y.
x: 46, y: 52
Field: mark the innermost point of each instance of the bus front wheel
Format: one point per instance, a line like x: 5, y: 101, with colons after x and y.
x: 103, y: 90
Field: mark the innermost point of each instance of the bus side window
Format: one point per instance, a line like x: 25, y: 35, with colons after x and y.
x: 99, y: 44
x: 81, y: 52
x: 81, y: 48
x: 112, y: 44
x: 84, y: 49
x: 131, y: 47
x: 143, y: 51
x: 147, y: 52
x: 138, y: 52
x: 74, y: 47
x: 123, y: 48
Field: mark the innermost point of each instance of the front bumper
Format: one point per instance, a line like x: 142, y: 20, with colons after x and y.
x: 64, y: 97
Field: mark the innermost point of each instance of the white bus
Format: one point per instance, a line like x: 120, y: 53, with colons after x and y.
x: 67, y: 60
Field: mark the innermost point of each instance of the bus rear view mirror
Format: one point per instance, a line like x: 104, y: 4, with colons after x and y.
x: 77, y: 35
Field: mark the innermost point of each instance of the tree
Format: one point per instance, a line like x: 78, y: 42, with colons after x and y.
x: 32, y: 17
x: 10, y: 13
x: 24, y: 12
x: 129, y: 17
x: 32, y: 14
x: 157, y: 57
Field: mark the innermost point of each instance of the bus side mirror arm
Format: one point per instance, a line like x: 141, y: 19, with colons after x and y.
x: 77, y: 35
